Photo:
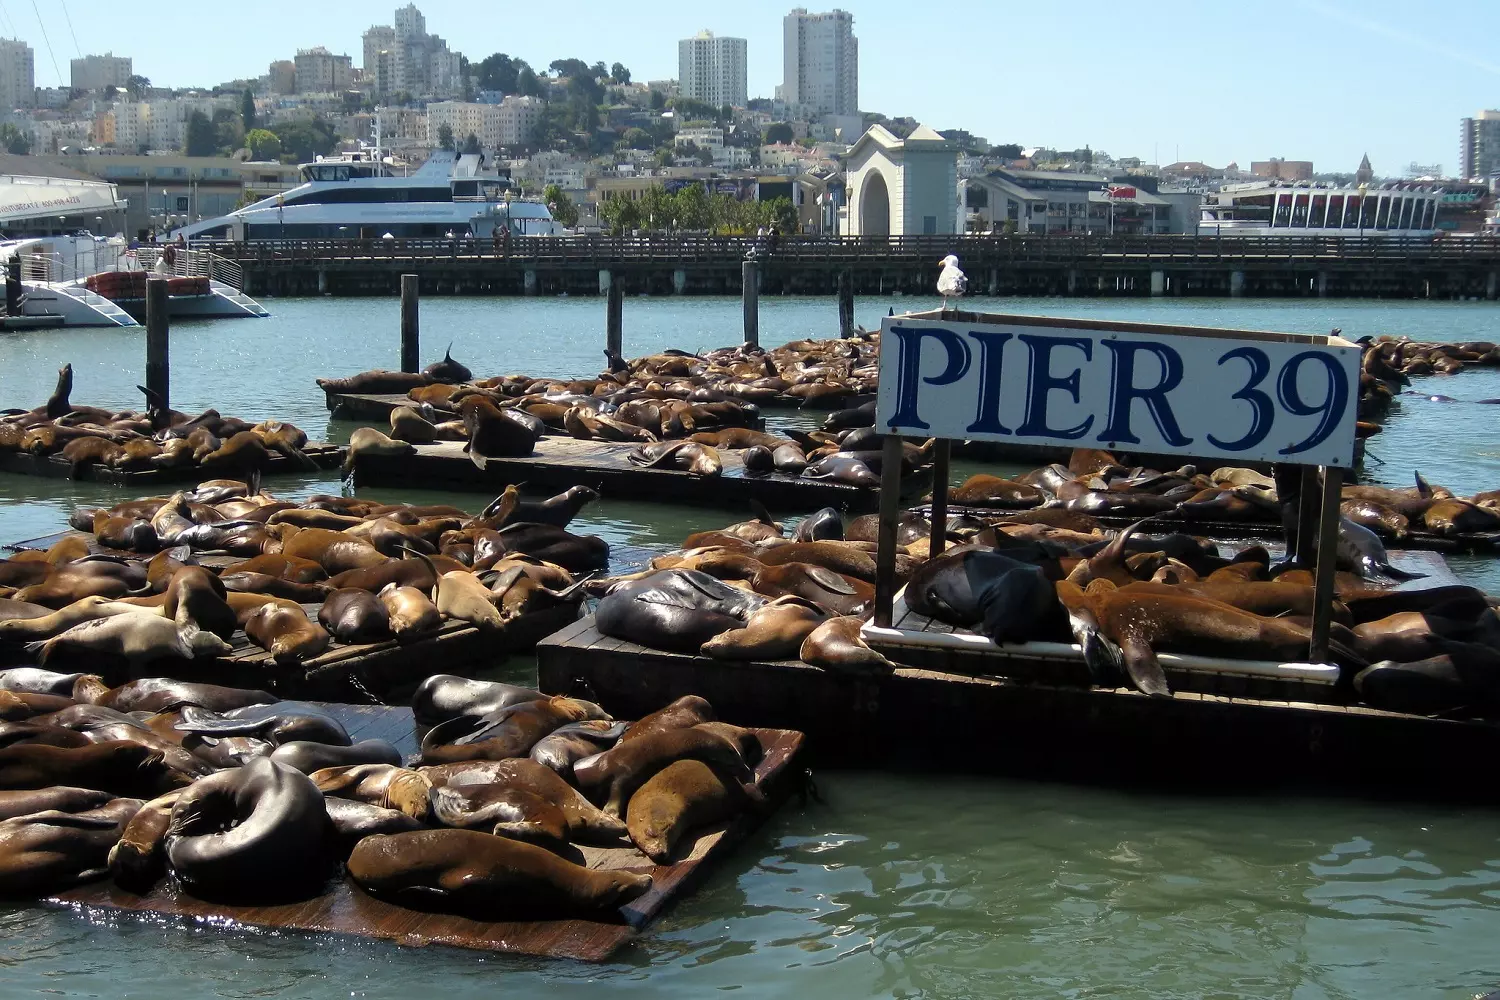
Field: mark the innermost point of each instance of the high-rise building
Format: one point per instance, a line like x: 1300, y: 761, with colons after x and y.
x: 17, y: 74
x: 98, y: 72
x: 712, y: 69
x: 380, y: 38
x: 406, y: 58
x: 1479, y: 145
x: 820, y: 62
x: 321, y: 72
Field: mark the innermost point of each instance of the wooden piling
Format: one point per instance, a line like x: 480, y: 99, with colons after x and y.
x: 13, y: 285
x: 846, y: 304
x: 158, y: 365
x: 890, y: 514
x: 939, y: 537
x: 411, y: 352
x: 614, y: 316
x: 750, y: 294
x: 1328, y: 540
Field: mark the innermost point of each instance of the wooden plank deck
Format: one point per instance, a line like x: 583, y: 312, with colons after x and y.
x: 377, y: 406
x: 346, y: 910
x: 1045, y: 727
x: 558, y: 463
x: 327, y: 456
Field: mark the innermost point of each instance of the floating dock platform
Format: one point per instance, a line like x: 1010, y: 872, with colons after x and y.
x: 345, y: 909
x: 327, y: 456
x: 377, y: 406
x: 558, y: 463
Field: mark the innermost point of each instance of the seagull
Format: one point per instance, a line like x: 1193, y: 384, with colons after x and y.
x: 952, y: 282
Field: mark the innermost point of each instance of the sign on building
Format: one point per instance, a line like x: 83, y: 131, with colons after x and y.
x: 1223, y: 394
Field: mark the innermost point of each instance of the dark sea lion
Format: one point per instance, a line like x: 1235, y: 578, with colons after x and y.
x: 614, y: 775
x: 20, y: 573
x: 278, y: 723
x: 843, y: 469
x: 568, y: 744
x: 676, y: 610
x: 485, y: 876
x: 409, y: 425
x: 688, y: 456
x: 355, y: 616
x: 12, y: 733
x: 354, y: 821
x: 56, y: 798
x: 195, y: 600
x: 582, y: 821
x: 38, y: 681
x: 286, y: 633
x: 50, y: 851
x: 386, y: 785
x: 493, y: 432
x: 448, y: 370
x: 335, y: 551
x: 757, y: 461
x: 774, y: 631
x: 789, y: 459
x: 1437, y: 684
x: 18, y: 706
x: 139, y: 859
x: 836, y: 645
x: 557, y: 511
x: 375, y: 381
x: 680, y: 797
x: 510, y: 732
x: 504, y: 810
x: 1360, y: 549
x: 575, y: 553
x: 261, y: 583
x: 308, y: 757
x: 121, y: 767
x: 255, y: 833
x: 1009, y: 600
x: 1379, y: 519
x: 826, y: 525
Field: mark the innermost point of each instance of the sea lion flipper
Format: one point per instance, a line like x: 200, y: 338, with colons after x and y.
x: 1144, y: 669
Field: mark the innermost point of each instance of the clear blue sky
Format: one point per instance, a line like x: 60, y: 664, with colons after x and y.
x: 1207, y: 80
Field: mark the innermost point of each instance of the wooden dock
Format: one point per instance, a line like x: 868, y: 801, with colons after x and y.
x: 558, y: 463
x: 327, y: 456
x: 346, y: 910
x: 922, y: 719
x: 376, y: 407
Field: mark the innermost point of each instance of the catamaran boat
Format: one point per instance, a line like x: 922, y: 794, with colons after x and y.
x: 86, y: 280
x: 359, y: 195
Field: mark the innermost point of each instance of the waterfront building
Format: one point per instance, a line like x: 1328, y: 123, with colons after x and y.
x: 1275, y: 208
x: 1054, y: 201
x: 1282, y: 170
x: 318, y: 71
x: 17, y: 74
x: 1479, y: 146
x: 712, y: 69
x: 820, y: 63
x: 902, y: 187
x: 98, y: 72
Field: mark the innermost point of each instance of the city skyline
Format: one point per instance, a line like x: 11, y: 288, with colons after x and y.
x: 1208, y: 86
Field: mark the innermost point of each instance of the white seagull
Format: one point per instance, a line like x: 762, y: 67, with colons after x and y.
x: 952, y: 282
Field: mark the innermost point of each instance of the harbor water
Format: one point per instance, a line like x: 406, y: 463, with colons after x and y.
x: 909, y: 885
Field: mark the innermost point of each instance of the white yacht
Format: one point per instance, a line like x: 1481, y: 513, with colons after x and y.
x: 361, y: 196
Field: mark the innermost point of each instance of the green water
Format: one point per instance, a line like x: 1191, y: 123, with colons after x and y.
x: 895, y: 885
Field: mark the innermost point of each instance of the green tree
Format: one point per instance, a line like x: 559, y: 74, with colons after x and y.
x: 263, y: 144
x: 14, y: 140
x: 137, y: 85
x: 619, y: 73
x: 302, y: 141
x: 200, y: 138
x: 692, y: 209
x: 471, y: 144
x: 689, y: 109
x: 229, y: 131
x: 658, y: 100
x: 619, y: 215
x: 499, y: 72
x: 527, y: 85
x: 563, y: 209
x: 247, y: 110
x: 638, y: 138
x: 778, y: 132
x: 445, y: 137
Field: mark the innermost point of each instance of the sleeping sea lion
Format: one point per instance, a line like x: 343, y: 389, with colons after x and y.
x: 388, y: 786
x: 837, y: 645
x: 614, y: 775
x: 675, y: 610
x: 774, y: 631
x: 138, y: 859
x: 445, y: 696
x: 369, y: 441
x: 682, y: 796
x: 286, y: 633
x: 409, y: 612
x: 49, y: 851
x: 138, y: 639
x: 355, y: 616
x: 55, y: 798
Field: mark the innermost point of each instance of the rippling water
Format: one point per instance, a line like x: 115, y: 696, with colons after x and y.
x: 894, y: 885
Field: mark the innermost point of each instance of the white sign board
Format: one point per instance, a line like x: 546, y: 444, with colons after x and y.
x: 1088, y: 384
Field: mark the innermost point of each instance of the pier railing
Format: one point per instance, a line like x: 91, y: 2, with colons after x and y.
x: 196, y: 264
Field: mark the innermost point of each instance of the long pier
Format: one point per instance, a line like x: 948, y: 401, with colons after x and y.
x: 1452, y: 267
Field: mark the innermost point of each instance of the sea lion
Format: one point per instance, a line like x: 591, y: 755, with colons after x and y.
x: 461, y: 595
x: 307, y: 756
x: 278, y: 723
x: 1361, y: 550
x: 53, y: 623
x: 837, y: 645
x: 789, y: 460
x: 17, y: 706
x: 13, y: 733
x: 614, y: 775
x: 335, y: 551
x: 409, y: 612
x: 757, y: 461
x: 1379, y: 519
x: 843, y: 469
x: 255, y: 833
x: 49, y: 851
x: 448, y: 370
x: 504, y: 810
x: 826, y: 525
x: 1453, y: 516
x: 138, y: 639
x: 510, y: 732
x: 687, y: 711
x: 119, y: 766
x: 583, y: 821
x: 1008, y: 600
x: 138, y: 859
x: 37, y: 681
x: 286, y: 633
x: 993, y: 491
x: 774, y: 631
x: 839, y: 594
x: 845, y: 558
x: 375, y: 381
x: 409, y: 425
x: 195, y: 600
x: 161, y: 694
x: 688, y: 456
x: 355, y: 616
x: 566, y: 745
x: 369, y: 441
x: 493, y: 432
x: 557, y: 511
x: 676, y: 610
x: 260, y: 583
x: 682, y: 796
x: 485, y: 876
x: 55, y: 798
x: 294, y: 569
x: 354, y: 821
x: 575, y: 553
x: 388, y: 786
x: 445, y: 696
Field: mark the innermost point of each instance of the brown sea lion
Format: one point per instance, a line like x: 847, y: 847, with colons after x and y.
x: 196, y: 600
x: 695, y: 459
x: 118, y: 766
x: 840, y: 594
x: 335, y: 551
x: 844, y: 558
x: 836, y: 645
x: 139, y: 859
x: 738, y: 438
x: 775, y: 631
x: 55, y: 798
x: 485, y: 876
x: 682, y: 796
x: 409, y: 612
x: 138, y: 639
x: 510, y: 732
x: 369, y: 441
x: 409, y: 425
x: 161, y: 694
x: 53, y: 623
x: 49, y: 851
x: 355, y: 616
x: 308, y: 756
x: 461, y: 595
x: 90, y: 450
x: 684, y: 713
x: 16, y: 706
x: 992, y: 491
x: 584, y: 822
x: 567, y: 745
x: 493, y: 432
x: 292, y: 568
x: 386, y: 785
x: 286, y: 633
x: 614, y: 775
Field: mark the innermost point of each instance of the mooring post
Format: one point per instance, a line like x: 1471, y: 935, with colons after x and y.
x: 1236, y: 284
x: 846, y: 304
x: 614, y: 316
x: 13, y: 285
x: 750, y: 295
x: 1328, y: 540
x: 939, y: 513
x: 1308, y: 505
x: 1158, y: 283
x: 158, y: 367
x: 411, y: 352
x: 890, y: 512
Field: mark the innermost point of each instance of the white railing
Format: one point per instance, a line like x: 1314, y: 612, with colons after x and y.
x: 193, y: 264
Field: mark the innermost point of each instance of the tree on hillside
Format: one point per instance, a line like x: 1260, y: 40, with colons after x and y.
x: 779, y: 132
x: 247, y: 109
x: 229, y: 131
x: 619, y: 73
x: 14, y: 140
x: 638, y: 138
x: 137, y: 85
x: 658, y: 100
x: 563, y: 209
x: 527, y: 85
x: 302, y: 141
x: 471, y: 144
x: 263, y: 144
x: 445, y: 137
x: 499, y: 72
x: 200, y: 138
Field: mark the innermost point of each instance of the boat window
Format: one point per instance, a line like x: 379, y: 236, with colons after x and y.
x: 466, y: 189
x: 1335, y: 211
x: 1283, y: 212
x: 1382, y: 213
x: 1299, y: 211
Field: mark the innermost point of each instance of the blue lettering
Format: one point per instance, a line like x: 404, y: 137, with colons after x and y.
x: 1040, y: 382
x: 1330, y: 411
x: 909, y: 369
x: 991, y: 348
x: 1263, y: 409
x: 1123, y: 392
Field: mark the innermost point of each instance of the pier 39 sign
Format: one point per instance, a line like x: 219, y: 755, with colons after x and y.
x: 1137, y: 387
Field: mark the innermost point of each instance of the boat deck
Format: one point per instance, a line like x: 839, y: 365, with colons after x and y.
x: 345, y: 909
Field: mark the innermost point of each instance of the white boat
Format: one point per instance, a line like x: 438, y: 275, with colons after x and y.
x: 361, y: 196
x: 1399, y: 209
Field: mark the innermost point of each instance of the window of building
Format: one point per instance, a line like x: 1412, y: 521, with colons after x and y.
x: 929, y: 225
x: 182, y: 204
